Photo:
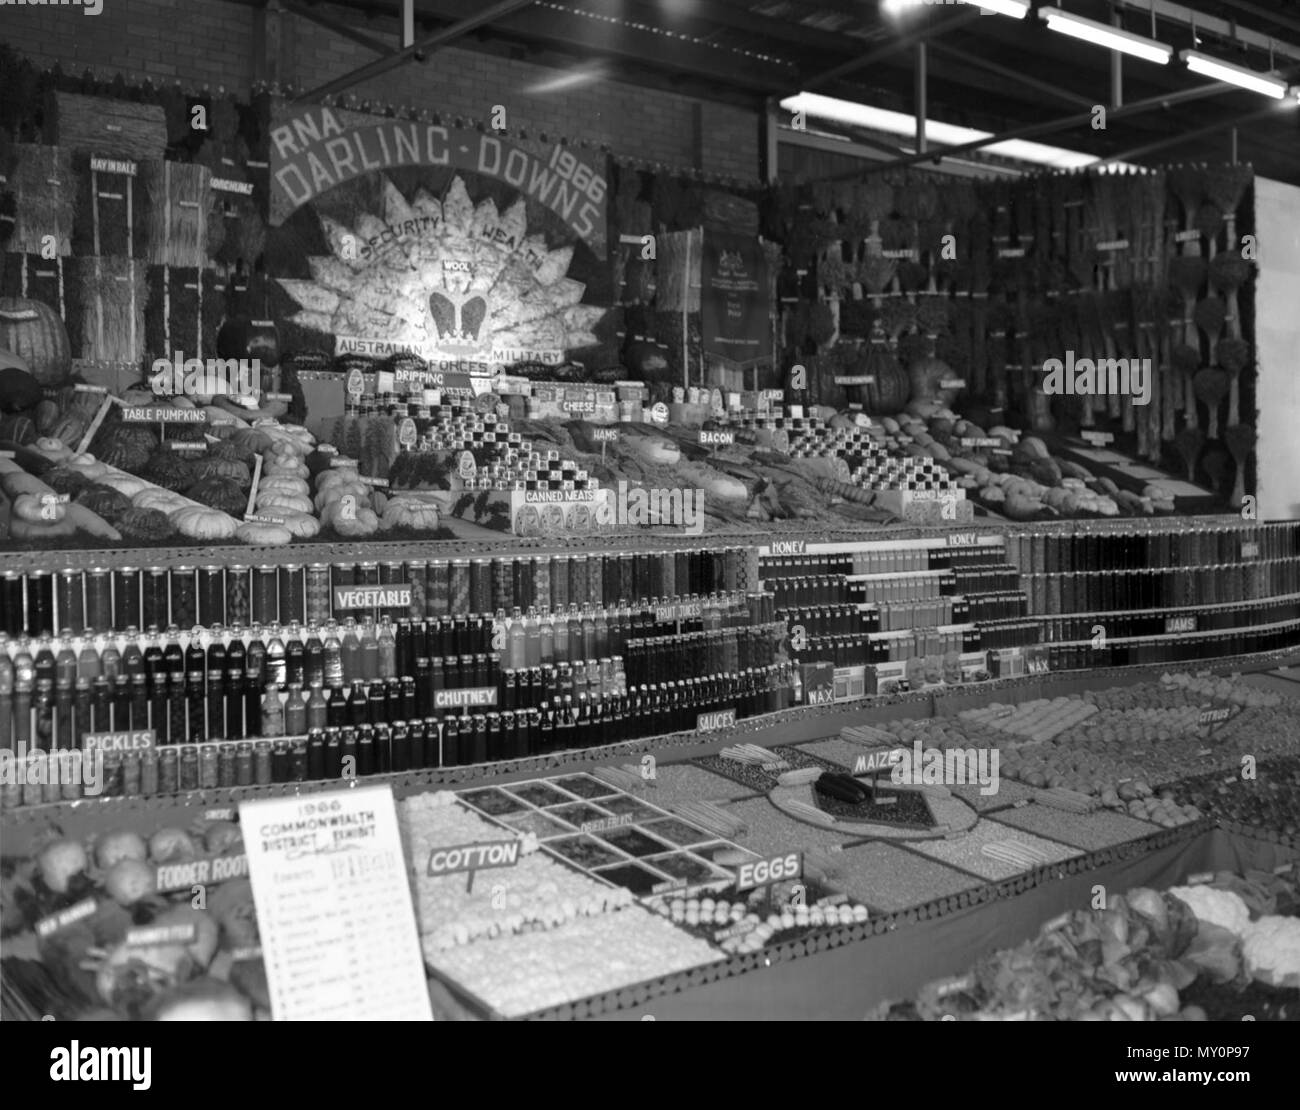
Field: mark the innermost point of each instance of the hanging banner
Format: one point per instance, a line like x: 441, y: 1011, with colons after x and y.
x: 318, y: 148
x: 733, y: 298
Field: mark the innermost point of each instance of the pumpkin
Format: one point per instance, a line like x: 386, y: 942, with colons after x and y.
x: 348, y: 518
x: 887, y: 395
x: 153, y: 498
x: 336, y: 476
x: 104, y: 502
x: 66, y: 479
x: 408, y: 512
x: 34, y: 332
x: 254, y: 439
x: 302, y: 525
x: 218, y: 493
x: 19, y: 391
x: 263, y: 535
x: 334, y: 493
x: 277, y: 500
x: 285, y: 470
x: 204, y: 524
x: 169, y: 470
x: 233, y: 469
x: 229, y: 449
x: 145, y: 525
x: 283, y: 484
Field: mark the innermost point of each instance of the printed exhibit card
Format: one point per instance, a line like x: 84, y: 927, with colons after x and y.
x: 334, y: 907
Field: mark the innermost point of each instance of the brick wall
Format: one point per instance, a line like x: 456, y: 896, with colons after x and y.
x: 207, y: 42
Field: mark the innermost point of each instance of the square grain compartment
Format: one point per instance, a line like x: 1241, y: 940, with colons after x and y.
x: 493, y: 802
x: 543, y: 824
x: 683, y: 865
x: 634, y: 842
x: 584, y: 786
x: 677, y: 831
x: 625, y: 806
x: 578, y: 813
x: 539, y: 793
x: 636, y: 878
x: 584, y: 851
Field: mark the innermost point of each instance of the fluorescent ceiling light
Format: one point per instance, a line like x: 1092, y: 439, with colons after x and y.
x: 1234, y: 75
x: 1113, y: 38
x: 1016, y: 9
x: 899, y: 123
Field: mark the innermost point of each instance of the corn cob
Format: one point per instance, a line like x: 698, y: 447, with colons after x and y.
x: 809, y: 813
x: 1071, y: 801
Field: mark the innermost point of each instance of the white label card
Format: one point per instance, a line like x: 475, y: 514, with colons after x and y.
x: 334, y: 907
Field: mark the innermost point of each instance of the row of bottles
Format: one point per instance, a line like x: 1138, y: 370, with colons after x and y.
x: 102, y: 599
x: 536, y: 638
x: 331, y: 751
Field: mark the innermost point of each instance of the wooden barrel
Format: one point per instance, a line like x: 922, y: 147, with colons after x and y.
x: 177, y: 198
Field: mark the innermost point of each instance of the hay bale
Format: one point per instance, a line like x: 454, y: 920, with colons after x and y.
x: 105, y: 220
x: 178, y: 198
x: 111, y: 294
x: 185, y: 307
x: 98, y: 125
x: 45, y: 197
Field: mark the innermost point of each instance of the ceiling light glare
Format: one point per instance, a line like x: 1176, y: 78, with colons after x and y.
x: 1089, y: 30
x: 1235, y: 75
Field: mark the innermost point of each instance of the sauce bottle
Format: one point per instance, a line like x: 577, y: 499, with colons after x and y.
x: 88, y: 663
x: 317, y: 708
x: 350, y: 652
x: 386, y: 651
x: 110, y: 661
x: 272, y: 712
x: 314, y: 658
x: 275, y: 658
x: 546, y: 640
x: 295, y: 657
x: 333, y: 654
x: 65, y: 663
x: 369, y: 650
x: 295, y: 712
x: 516, y: 642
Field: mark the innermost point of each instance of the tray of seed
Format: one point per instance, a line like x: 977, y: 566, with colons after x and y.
x: 889, y: 879
x: 771, y: 831
x: 685, y: 782
x: 1008, y: 794
x: 1089, y: 831
x: 966, y: 851
x: 752, y: 775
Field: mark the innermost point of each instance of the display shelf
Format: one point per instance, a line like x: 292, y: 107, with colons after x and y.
x: 788, y: 727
